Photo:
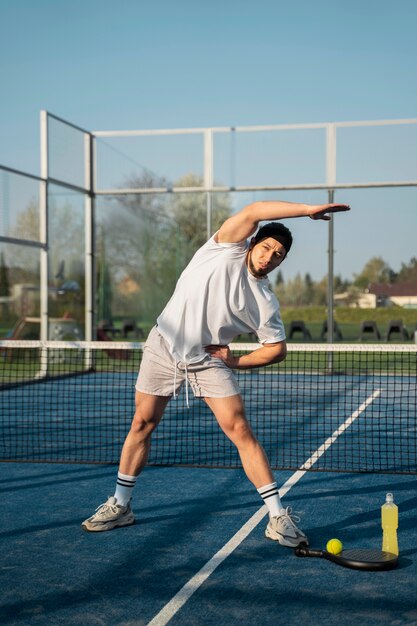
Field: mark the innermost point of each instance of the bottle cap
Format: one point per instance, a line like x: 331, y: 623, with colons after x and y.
x: 389, y: 498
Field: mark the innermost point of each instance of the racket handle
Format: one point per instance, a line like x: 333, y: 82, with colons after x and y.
x: 304, y: 550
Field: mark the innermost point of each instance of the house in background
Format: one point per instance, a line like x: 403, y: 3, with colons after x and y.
x: 399, y: 294
x: 381, y: 295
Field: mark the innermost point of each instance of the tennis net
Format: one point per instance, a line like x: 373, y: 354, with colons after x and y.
x: 337, y: 407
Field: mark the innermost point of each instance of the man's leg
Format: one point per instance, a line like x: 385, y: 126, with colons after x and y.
x: 230, y: 414
x: 148, y: 414
x: 116, y: 511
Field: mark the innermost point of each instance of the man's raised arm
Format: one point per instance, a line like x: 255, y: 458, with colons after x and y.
x: 244, y: 223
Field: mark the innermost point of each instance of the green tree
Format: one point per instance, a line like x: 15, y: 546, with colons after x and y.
x: 153, y: 236
x: 189, y: 213
x: 26, y: 227
x: 4, y: 277
x: 408, y: 272
x: 27, y: 222
x: 320, y: 292
x: 4, y: 287
x: 301, y: 291
x: 104, y: 288
x: 376, y: 270
x: 140, y: 247
x: 279, y: 279
x: 341, y: 285
x: 66, y: 234
x: 308, y: 292
x: 292, y: 292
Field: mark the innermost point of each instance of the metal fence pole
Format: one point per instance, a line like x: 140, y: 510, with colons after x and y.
x: 43, y: 226
x: 90, y: 237
x: 330, y: 278
x: 331, y: 180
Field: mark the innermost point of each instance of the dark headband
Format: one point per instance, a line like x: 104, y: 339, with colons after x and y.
x: 277, y: 231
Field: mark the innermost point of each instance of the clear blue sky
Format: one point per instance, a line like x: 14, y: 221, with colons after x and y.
x: 136, y: 64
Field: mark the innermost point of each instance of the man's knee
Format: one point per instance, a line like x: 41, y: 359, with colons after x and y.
x: 239, y: 430
x: 143, y: 425
x: 148, y: 413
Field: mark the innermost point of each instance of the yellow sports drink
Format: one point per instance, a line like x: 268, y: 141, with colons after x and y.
x: 389, y: 520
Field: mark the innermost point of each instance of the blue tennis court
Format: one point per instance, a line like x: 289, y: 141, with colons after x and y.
x: 197, y: 553
x: 54, y: 573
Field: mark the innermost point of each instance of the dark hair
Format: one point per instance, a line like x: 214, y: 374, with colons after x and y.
x: 277, y: 231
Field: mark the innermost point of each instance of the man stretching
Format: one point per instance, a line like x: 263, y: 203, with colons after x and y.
x: 223, y: 292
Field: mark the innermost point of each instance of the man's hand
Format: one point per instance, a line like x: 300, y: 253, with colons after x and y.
x: 223, y: 353
x: 320, y: 211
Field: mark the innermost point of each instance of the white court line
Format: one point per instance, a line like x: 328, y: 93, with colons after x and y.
x: 184, y: 594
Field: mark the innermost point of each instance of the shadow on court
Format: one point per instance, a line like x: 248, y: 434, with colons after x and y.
x: 54, y: 573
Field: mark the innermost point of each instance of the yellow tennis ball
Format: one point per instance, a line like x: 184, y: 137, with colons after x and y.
x: 334, y: 546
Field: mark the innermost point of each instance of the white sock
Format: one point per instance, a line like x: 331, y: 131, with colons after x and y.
x: 270, y: 495
x: 124, y: 487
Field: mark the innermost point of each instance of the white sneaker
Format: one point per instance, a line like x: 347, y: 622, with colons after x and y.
x: 283, y: 529
x: 108, y: 516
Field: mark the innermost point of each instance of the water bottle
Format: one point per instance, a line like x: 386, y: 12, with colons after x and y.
x: 389, y: 521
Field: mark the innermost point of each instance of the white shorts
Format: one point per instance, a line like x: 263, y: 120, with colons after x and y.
x: 161, y: 375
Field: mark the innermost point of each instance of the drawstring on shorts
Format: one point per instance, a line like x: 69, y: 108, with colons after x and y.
x: 186, y: 387
x: 186, y: 383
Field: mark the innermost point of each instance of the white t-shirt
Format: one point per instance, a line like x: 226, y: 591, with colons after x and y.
x: 216, y: 299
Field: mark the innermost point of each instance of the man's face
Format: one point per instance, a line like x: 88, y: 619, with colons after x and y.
x: 265, y: 256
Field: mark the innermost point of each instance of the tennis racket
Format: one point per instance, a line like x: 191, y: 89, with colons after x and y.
x: 356, y: 558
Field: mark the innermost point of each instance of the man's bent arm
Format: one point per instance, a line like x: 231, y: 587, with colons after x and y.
x: 244, y: 223
x: 265, y: 355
